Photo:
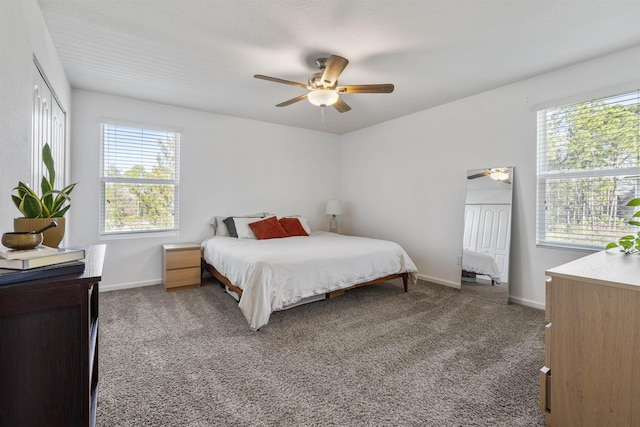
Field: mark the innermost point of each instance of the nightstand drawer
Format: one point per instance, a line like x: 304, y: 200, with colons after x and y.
x: 182, y: 258
x: 182, y: 277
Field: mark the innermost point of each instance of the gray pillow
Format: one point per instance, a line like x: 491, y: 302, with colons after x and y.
x: 231, y: 226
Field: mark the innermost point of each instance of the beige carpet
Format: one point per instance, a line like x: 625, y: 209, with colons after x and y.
x: 498, y: 293
x: 374, y: 356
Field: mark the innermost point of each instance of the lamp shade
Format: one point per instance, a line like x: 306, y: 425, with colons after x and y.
x: 323, y: 97
x: 334, y: 207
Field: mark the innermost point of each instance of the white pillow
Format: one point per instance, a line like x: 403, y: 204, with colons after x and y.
x: 219, y: 227
x: 242, y: 226
x: 303, y: 221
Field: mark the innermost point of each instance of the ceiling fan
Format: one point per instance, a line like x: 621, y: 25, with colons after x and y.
x: 497, y: 174
x: 323, y: 85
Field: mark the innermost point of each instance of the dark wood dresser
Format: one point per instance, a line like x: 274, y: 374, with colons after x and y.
x: 49, y: 348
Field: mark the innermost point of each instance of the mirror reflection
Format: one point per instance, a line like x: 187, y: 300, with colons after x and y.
x: 487, y: 233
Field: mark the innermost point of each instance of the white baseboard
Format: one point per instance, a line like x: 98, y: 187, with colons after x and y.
x: 130, y: 285
x: 456, y: 285
x: 528, y: 303
x: 439, y: 281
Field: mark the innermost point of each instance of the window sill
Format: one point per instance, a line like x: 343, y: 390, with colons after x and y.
x: 139, y: 235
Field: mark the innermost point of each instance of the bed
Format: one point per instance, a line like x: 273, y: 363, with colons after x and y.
x: 474, y: 263
x: 275, y: 274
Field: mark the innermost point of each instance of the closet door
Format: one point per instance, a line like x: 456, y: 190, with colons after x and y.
x: 471, y: 221
x: 48, y: 121
x: 493, y: 234
x: 41, y: 126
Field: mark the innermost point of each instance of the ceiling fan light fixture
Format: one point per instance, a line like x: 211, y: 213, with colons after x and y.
x: 499, y: 175
x: 323, y: 97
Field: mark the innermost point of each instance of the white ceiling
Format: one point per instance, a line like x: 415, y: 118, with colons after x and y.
x: 202, y: 54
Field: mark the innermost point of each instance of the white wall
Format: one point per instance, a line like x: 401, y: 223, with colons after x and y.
x: 404, y: 180
x: 23, y: 35
x: 229, y: 166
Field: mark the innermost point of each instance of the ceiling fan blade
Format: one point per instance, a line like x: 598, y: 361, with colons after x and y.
x: 381, y: 88
x: 335, y: 67
x: 277, y: 80
x: 293, y: 100
x: 478, y: 175
x: 341, y: 106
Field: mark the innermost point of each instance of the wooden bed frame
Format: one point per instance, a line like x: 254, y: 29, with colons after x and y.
x: 224, y: 281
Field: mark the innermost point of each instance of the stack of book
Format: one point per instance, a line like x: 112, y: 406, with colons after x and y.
x: 39, y: 263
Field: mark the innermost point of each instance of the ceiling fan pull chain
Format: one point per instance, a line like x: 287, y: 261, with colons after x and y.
x: 322, y: 113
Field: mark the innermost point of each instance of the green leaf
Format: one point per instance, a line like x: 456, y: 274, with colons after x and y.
x: 60, y: 213
x: 626, y: 244
x: 59, y: 201
x: 67, y: 190
x: 634, y: 202
x: 47, y: 159
x: 637, y: 214
x: 16, y: 201
x: 637, y: 223
x: 629, y: 237
x: 611, y: 246
x: 30, y: 206
x: 47, y: 197
x: 24, y: 189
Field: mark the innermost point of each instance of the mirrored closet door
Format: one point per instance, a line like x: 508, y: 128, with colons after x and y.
x: 487, y: 233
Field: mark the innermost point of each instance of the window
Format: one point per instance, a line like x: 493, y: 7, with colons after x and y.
x: 588, y: 170
x: 140, y: 180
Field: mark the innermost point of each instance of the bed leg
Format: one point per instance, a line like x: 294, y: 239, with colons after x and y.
x: 405, y: 281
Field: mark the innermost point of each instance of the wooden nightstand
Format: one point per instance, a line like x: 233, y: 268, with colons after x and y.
x: 180, y: 266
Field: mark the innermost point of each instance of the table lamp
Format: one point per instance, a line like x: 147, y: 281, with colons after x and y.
x: 334, y: 208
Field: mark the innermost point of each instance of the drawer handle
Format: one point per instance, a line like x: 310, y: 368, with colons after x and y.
x: 545, y: 390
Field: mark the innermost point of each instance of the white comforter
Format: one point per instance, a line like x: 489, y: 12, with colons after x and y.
x: 480, y: 263
x: 275, y: 273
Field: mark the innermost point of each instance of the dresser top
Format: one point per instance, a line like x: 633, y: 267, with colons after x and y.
x: 609, y: 268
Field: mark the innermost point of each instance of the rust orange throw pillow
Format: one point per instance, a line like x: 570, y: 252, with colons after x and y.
x: 268, y: 228
x: 293, y: 227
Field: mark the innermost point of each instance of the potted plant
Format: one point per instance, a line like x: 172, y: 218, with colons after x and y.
x: 39, y: 211
x: 630, y: 243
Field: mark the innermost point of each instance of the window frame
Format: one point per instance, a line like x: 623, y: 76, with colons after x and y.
x: 543, y: 175
x: 104, y: 180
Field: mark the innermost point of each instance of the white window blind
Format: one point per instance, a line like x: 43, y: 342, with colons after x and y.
x: 588, y: 170
x: 140, y: 180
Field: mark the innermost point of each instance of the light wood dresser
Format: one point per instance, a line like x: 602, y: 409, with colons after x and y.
x: 181, y: 266
x: 592, y: 342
